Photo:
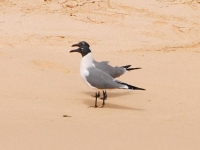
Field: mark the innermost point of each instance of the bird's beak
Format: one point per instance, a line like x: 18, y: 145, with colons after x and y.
x: 74, y: 45
x: 75, y: 50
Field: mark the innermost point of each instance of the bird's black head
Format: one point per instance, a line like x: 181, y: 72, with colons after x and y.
x: 84, y: 50
x: 82, y: 43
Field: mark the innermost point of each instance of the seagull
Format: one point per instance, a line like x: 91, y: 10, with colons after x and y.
x: 97, y: 78
x: 104, y: 66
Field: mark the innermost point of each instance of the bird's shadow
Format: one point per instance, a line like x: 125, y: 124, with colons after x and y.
x: 110, y: 94
x: 90, y: 103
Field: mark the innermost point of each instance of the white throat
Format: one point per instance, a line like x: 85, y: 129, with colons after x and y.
x: 87, y: 61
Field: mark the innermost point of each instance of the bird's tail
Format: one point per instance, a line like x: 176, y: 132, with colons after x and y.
x: 128, y: 69
x: 130, y: 86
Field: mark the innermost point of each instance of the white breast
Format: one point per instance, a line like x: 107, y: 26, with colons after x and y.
x: 86, y: 62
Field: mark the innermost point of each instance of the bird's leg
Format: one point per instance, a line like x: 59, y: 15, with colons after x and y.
x: 96, y: 96
x: 104, y: 97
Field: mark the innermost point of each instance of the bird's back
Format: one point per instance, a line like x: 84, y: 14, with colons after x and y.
x: 112, y: 71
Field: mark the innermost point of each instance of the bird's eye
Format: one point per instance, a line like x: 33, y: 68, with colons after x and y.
x: 81, y: 48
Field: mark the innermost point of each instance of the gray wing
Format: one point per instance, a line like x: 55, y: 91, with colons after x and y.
x: 112, y: 71
x: 101, y: 80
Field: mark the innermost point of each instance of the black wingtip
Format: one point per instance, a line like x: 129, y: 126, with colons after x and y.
x: 129, y: 69
x: 130, y: 86
x: 134, y: 87
x: 137, y: 88
x: 127, y: 66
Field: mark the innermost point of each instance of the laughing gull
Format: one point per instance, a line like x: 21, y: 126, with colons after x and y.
x: 104, y: 66
x: 97, y: 78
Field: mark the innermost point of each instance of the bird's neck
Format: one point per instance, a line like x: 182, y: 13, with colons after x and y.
x: 87, y: 61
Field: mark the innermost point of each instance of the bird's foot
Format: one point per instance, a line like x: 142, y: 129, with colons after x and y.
x: 97, y: 95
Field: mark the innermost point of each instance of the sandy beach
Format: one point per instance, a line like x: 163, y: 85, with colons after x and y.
x: 40, y: 80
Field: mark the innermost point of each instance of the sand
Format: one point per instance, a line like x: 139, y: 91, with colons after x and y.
x: 40, y: 79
